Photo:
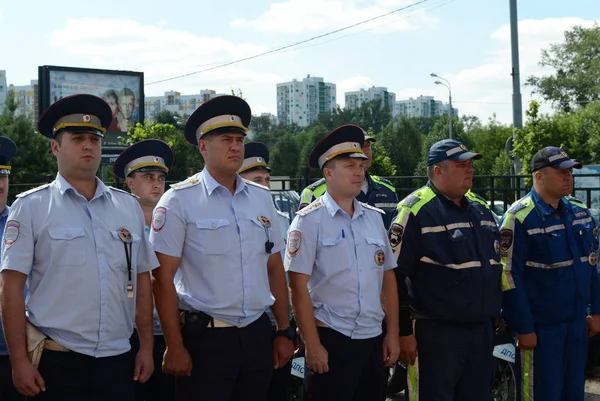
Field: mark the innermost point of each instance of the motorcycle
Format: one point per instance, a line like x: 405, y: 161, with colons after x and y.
x: 503, y: 380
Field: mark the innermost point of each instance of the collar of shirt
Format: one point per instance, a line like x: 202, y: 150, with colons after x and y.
x: 333, y: 207
x: 545, y: 208
x: 463, y: 201
x: 64, y: 186
x: 211, y: 184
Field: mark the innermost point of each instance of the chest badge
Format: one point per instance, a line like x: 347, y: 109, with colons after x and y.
x: 266, y: 223
x: 379, y: 257
x: 593, y: 258
x: 125, y: 235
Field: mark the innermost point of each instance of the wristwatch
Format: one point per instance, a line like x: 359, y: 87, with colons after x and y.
x: 288, y: 333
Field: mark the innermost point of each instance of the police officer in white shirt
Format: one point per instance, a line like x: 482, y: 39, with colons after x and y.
x: 341, y: 266
x: 144, y: 166
x: 81, y: 247
x: 221, y: 232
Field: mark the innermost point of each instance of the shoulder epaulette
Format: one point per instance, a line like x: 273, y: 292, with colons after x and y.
x: 310, y: 208
x: 576, y: 201
x: 316, y: 184
x: 123, y: 192
x: 381, y: 179
x: 367, y: 206
x: 279, y: 212
x: 190, y: 182
x: 477, y: 198
x: 29, y: 192
x: 410, y: 200
x: 256, y: 184
x: 516, y: 207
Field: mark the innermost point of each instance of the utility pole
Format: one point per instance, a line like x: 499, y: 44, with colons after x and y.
x: 516, y: 81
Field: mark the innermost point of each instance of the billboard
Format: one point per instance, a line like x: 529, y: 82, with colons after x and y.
x: 122, y: 90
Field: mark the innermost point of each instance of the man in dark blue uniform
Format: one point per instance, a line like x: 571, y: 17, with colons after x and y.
x: 447, y: 245
x: 550, y: 254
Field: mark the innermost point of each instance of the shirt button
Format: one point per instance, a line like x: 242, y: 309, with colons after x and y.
x: 214, y: 225
x: 68, y: 235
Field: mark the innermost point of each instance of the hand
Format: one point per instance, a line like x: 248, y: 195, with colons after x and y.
x: 527, y: 341
x: 283, y: 350
x: 391, y: 349
x: 177, y: 362
x: 593, y: 325
x: 26, y: 378
x: 317, y: 358
x: 408, y: 349
x: 144, y: 365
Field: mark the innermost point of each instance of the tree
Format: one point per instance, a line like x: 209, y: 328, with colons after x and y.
x: 382, y: 164
x: 372, y: 115
x: 34, y: 162
x: 576, y: 61
x: 284, y: 156
x: 336, y: 118
x: 402, y: 143
x: 488, y: 140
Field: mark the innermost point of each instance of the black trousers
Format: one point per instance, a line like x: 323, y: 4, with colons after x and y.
x: 70, y: 376
x: 229, y: 364
x: 161, y: 386
x: 454, y: 361
x: 355, y: 369
x: 281, y: 383
x: 7, y: 390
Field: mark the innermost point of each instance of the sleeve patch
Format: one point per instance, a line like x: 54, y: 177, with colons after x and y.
x: 11, y: 232
x: 159, y: 219
x: 294, y: 241
x: 396, y: 232
x: 506, y: 241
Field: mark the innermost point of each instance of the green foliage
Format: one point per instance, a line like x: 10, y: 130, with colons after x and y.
x: 34, y: 162
x: 576, y: 64
x: 401, y: 141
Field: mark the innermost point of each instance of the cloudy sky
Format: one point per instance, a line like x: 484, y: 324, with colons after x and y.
x: 465, y: 41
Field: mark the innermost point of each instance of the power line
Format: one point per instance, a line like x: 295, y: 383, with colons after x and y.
x: 278, y: 49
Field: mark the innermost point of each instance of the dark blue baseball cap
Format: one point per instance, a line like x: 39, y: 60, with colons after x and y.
x: 554, y: 157
x: 449, y: 149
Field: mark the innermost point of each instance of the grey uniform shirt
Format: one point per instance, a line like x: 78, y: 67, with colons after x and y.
x: 345, y: 258
x: 220, y: 238
x: 73, y: 252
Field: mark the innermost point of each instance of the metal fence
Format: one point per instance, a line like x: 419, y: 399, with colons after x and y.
x: 500, y: 190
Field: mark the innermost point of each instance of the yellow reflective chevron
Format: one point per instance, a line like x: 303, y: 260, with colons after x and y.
x: 518, y: 211
x: 527, y: 370
x: 413, y: 381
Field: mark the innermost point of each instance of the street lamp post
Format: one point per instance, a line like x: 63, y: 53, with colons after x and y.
x: 449, y: 87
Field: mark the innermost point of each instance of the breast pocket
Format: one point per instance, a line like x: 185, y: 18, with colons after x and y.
x: 373, y: 252
x: 118, y: 256
x: 68, y: 245
x: 212, y: 236
x: 334, y: 253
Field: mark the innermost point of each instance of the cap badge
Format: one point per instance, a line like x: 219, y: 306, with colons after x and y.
x: 156, y: 159
x: 86, y: 118
x: 563, y: 154
x: 231, y: 118
x: 259, y: 159
x: 463, y: 147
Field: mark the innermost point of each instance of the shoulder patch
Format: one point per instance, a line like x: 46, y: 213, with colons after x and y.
x: 316, y: 184
x: 190, y: 182
x: 122, y: 191
x: 29, y: 192
x: 410, y: 200
x: 310, y: 208
x: 255, y: 184
x: 367, y: 206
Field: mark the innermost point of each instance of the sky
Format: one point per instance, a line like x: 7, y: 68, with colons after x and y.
x: 465, y: 41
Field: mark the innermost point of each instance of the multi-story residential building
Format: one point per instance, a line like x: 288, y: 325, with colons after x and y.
x: 301, y: 102
x: 356, y: 98
x: 27, y: 99
x: 176, y: 102
x: 422, y: 106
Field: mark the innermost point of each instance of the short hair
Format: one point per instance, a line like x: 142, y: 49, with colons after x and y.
x: 430, y: 169
x: 128, y: 92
